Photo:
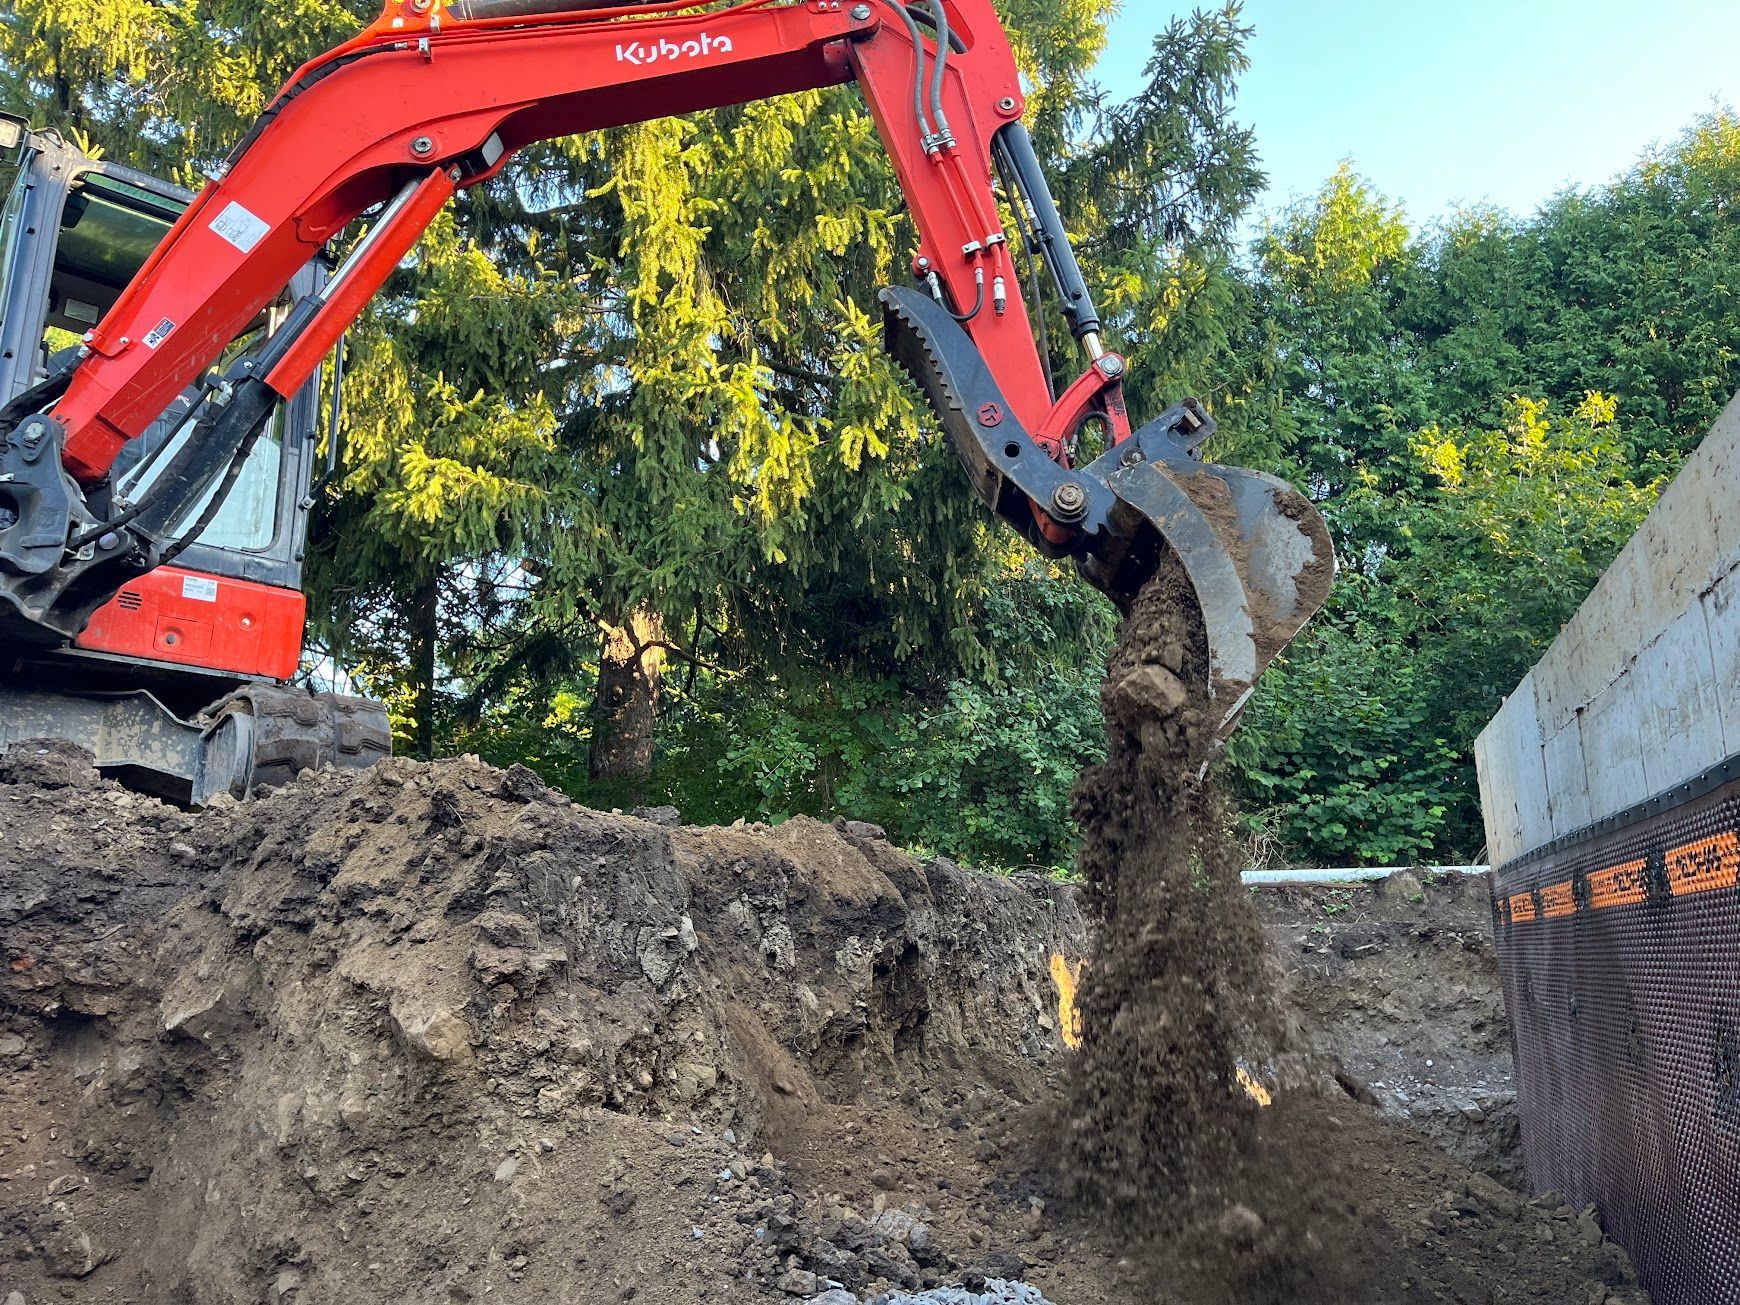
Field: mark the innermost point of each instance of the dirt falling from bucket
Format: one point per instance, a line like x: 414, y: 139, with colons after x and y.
x: 1177, y: 994
x: 1182, y: 1025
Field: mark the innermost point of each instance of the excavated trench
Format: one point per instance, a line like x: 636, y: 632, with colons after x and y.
x: 433, y: 1034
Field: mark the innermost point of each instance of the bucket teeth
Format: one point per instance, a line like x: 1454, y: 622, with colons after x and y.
x: 943, y: 359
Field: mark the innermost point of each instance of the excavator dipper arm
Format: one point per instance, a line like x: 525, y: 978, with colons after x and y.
x: 435, y: 96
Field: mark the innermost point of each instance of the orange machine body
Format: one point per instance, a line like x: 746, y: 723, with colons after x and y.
x: 212, y: 622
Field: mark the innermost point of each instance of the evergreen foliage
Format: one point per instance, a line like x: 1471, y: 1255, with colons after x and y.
x: 1486, y: 411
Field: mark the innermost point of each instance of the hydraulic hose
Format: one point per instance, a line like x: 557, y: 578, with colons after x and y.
x: 928, y: 19
x: 1029, y: 247
x: 1066, y: 274
x: 978, y: 303
x: 918, y: 53
x: 941, y: 67
x: 215, y: 504
x: 227, y: 433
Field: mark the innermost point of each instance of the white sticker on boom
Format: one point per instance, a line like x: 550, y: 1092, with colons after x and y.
x: 199, y: 588
x: 240, y: 227
x: 158, y: 334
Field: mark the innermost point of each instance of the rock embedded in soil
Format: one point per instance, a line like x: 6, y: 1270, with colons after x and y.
x: 1149, y: 692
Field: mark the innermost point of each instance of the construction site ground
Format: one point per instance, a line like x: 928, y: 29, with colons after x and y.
x: 431, y: 1033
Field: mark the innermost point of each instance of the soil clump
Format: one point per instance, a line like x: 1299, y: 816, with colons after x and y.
x: 1177, y: 998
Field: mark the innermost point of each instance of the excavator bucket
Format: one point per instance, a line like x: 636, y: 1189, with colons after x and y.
x: 1255, y: 549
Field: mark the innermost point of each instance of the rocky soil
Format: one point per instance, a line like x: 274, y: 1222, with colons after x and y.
x: 1178, y: 1000
x: 433, y: 1034
x: 1397, y: 987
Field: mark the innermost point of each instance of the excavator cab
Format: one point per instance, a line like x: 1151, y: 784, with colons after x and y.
x: 167, y: 683
x: 73, y: 233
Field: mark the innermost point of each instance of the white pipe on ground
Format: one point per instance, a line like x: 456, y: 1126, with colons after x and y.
x: 1261, y: 878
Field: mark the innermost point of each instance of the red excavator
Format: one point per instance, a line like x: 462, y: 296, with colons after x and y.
x: 156, y: 471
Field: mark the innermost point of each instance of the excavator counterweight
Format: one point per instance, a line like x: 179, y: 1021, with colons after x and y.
x: 437, y: 96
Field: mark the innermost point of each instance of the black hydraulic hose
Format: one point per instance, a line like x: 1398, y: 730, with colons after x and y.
x: 37, y: 397
x: 102, y: 528
x: 1033, y: 288
x: 941, y: 67
x: 928, y: 19
x: 235, y: 426
x: 1060, y: 261
x: 918, y: 52
x: 152, y: 456
x: 289, y: 93
x: 978, y: 304
x: 1030, y: 255
x: 138, y: 471
x: 252, y: 405
x: 334, y: 415
x: 218, y: 498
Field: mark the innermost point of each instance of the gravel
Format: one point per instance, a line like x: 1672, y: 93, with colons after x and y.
x: 997, y: 1291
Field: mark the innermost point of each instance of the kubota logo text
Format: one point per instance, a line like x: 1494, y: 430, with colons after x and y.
x: 640, y: 53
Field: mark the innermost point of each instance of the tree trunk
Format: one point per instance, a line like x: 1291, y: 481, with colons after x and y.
x: 625, y: 709
x: 425, y: 637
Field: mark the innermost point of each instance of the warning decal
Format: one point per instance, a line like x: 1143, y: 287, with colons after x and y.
x: 240, y: 227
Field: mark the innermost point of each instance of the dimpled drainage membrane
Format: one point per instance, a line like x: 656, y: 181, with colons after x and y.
x: 1619, y: 950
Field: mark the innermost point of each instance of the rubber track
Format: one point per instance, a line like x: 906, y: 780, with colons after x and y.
x: 296, y: 731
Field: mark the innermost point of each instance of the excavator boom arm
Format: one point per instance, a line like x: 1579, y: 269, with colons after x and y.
x: 425, y: 103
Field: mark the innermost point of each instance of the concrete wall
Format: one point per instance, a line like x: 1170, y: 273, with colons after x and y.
x: 1641, y: 690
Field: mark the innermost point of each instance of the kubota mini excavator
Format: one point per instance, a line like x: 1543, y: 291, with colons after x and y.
x: 155, y: 474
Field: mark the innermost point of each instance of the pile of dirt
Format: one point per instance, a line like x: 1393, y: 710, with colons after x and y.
x: 433, y: 1034
x: 1397, y: 989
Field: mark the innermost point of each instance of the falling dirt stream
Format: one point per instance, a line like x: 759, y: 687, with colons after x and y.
x: 1177, y: 991
x: 1194, y: 1121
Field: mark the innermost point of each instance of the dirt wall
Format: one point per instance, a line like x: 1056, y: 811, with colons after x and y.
x: 1396, y: 987
x: 434, y: 1025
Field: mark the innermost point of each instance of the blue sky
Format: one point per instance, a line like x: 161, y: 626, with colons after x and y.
x: 1449, y: 102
